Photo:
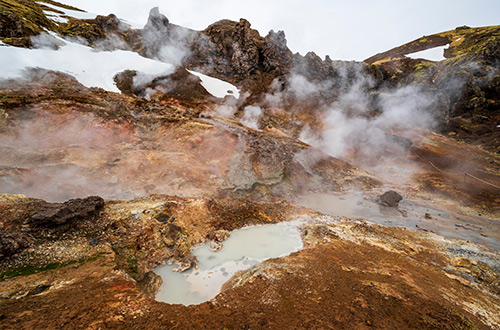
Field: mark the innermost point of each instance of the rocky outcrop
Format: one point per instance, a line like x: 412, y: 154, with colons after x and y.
x: 180, y: 85
x: 55, y: 214
x: 155, y: 33
x: 465, y: 85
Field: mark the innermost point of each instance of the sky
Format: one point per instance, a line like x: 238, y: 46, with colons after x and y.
x: 345, y: 30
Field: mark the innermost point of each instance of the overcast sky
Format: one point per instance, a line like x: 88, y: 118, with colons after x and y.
x: 348, y: 30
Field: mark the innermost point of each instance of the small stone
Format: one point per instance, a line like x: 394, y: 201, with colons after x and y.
x: 41, y: 288
x: 428, y: 216
x: 94, y: 242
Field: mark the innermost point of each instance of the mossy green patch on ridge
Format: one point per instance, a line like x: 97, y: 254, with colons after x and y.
x: 22, y: 18
x: 462, y: 40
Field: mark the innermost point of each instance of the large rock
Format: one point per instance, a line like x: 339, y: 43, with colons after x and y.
x: 54, y: 214
x: 390, y: 198
x: 180, y: 85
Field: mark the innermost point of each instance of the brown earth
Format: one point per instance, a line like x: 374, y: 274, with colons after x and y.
x: 350, y: 275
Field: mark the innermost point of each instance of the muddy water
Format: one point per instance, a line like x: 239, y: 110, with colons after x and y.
x: 410, y: 214
x: 243, y: 249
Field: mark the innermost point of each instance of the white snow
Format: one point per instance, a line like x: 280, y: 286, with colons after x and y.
x: 432, y: 54
x: 91, y: 68
x: 96, y: 68
x: 67, y: 12
x: 217, y: 87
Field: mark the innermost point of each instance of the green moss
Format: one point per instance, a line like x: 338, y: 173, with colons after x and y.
x: 22, y: 18
x: 29, y: 270
x: 34, y: 269
x: 87, y: 29
x: 423, y: 66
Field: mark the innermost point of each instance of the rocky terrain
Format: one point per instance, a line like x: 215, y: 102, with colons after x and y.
x: 98, y: 187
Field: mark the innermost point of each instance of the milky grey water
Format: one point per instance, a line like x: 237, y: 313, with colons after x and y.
x: 243, y: 249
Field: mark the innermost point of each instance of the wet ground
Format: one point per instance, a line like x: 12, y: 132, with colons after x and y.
x: 413, y: 213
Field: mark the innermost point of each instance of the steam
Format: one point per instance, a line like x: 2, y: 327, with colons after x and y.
x: 251, y: 116
x: 226, y: 109
x: 164, y: 41
x: 348, y: 126
x: 110, y: 43
x: 359, y: 122
x: 47, y: 41
x: 142, y: 80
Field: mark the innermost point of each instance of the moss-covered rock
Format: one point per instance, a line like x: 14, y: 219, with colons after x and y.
x: 20, y: 19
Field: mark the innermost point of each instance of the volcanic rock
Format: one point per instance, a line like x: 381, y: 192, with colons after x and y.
x: 390, y: 198
x: 54, y: 214
x: 180, y: 85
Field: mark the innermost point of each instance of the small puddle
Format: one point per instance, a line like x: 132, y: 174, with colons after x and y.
x: 243, y: 249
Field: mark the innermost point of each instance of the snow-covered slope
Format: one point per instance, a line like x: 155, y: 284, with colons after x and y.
x: 432, y: 54
x: 95, y: 68
x: 91, y: 68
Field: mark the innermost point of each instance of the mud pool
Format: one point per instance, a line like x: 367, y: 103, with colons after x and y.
x: 244, y: 248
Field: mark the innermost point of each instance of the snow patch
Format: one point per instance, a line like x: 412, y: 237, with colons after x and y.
x: 217, y: 87
x: 91, y: 68
x: 432, y: 54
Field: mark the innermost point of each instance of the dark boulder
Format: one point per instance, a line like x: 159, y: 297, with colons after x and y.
x: 54, y: 214
x: 390, y: 198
